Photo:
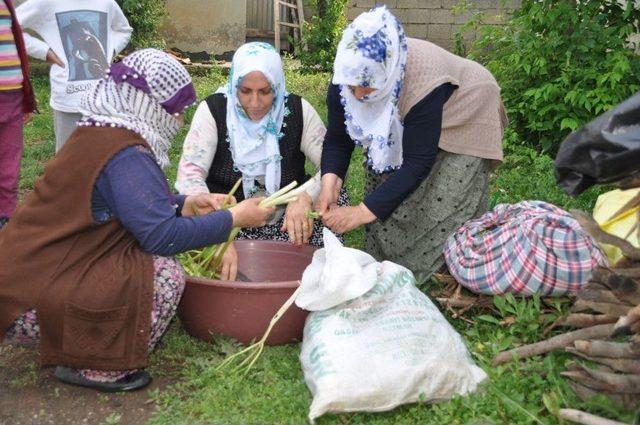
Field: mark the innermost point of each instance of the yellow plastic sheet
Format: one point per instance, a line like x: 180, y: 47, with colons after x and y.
x: 623, y: 225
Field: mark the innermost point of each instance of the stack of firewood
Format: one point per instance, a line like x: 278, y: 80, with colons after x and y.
x: 612, y: 299
x: 607, y: 313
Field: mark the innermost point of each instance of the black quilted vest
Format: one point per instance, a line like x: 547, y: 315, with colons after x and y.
x: 222, y: 175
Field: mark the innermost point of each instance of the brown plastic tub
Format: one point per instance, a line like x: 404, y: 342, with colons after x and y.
x: 243, y: 309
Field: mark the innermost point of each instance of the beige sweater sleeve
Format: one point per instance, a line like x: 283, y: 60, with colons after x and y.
x: 311, y: 144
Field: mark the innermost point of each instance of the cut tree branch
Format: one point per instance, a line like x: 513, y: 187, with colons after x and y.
x: 606, y: 381
x: 553, y: 343
x: 584, y: 418
x: 598, y: 348
x: 618, y: 364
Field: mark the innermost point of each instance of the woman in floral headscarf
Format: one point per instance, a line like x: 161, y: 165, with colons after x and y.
x: 431, y: 125
x: 253, y: 129
x: 86, y: 263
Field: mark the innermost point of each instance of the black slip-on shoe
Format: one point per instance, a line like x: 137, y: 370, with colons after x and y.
x: 135, y: 381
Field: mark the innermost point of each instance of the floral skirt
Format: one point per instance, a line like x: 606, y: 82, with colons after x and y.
x: 168, y: 285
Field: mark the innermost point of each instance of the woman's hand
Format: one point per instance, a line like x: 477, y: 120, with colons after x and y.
x: 296, y: 222
x: 344, y: 219
x: 53, y: 59
x: 205, y: 203
x: 249, y: 213
x: 229, y: 266
x: 329, y: 193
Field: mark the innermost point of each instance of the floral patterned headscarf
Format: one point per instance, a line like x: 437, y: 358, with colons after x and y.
x: 254, y: 144
x: 373, y: 53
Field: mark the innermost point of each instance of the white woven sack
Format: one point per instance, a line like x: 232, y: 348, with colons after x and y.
x: 383, y: 348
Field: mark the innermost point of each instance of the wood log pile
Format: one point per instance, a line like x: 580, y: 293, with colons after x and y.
x: 605, y: 329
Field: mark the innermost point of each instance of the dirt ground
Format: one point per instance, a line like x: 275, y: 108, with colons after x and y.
x: 32, y: 395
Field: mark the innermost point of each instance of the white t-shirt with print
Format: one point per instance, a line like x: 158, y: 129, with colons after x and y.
x: 85, y: 35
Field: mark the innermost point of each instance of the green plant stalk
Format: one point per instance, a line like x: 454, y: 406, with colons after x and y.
x: 282, y: 196
x: 279, y: 193
x: 208, y: 254
x: 256, y: 349
x: 232, y: 192
x: 200, y: 263
x: 280, y: 201
x: 210, y: 258
x: 223, y: 247
x: 286, y: 194
x: 312, y: 214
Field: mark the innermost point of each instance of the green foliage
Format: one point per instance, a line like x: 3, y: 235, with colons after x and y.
x: 321, y: 35
x: 560, y: 63
x: 145, y: 17
x: 525, y: 174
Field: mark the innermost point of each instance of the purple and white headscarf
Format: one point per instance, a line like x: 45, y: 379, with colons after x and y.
x: 144, y: 93
x: 373, y: 53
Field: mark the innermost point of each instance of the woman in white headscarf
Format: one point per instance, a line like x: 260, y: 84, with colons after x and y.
x: 87, y: 264
x: 253, y: 129
x: 430, y: 124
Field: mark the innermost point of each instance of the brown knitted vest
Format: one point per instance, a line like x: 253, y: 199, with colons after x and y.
x: 473, y: 119
x: 91, y: 285
x: 222, y: 174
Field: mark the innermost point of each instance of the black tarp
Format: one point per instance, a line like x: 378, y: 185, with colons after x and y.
x: 606, y: 150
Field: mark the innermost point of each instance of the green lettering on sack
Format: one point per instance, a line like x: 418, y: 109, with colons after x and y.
x: 391, y: 282
x: 314, y: 321
x: 320, y: 364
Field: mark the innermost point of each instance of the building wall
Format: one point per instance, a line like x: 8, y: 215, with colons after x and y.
x: 436, y: 20
x: 213, y: 26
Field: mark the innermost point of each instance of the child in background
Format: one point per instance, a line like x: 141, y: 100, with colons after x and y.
x: 17, y: 104
x: 79, y: 39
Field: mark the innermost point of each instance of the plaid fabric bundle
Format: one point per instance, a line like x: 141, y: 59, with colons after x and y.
x: 526, y: 248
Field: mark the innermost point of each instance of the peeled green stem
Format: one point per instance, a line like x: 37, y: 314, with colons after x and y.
x: 232, y: 192
x: 280, y: 201
x: 280, y: 192
x: 255, y: 350
x: 298, y: 190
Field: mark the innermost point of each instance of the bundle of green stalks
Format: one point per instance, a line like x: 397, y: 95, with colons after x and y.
x: 206, y: 262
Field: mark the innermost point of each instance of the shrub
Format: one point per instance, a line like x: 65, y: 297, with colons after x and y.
x: 560, y: 63
x: 145, y: 17
x: 320, y: 35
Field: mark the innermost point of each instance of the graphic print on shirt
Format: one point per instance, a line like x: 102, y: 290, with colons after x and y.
x: 84, y: 35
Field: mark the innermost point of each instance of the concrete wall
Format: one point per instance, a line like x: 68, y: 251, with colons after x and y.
x: 213, y: 26
x: 435, y: 20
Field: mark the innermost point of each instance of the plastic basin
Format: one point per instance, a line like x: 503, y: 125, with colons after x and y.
x: 243, y: 309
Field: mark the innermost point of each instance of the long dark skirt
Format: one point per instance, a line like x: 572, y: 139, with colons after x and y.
x: 455, y: 191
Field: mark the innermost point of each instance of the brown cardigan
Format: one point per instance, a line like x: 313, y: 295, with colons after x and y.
x: 91, y: 285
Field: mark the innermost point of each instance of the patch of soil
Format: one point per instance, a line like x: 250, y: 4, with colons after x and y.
x: 32, y: 395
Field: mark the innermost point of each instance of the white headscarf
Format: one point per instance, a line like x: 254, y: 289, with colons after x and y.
x: 254, y: 144
x: 373, y: 53
x: 143, y: 93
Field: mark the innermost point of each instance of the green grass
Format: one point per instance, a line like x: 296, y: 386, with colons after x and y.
x: 527, y: 392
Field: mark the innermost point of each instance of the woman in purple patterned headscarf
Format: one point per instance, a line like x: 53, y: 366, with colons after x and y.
x: 87, y: 263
